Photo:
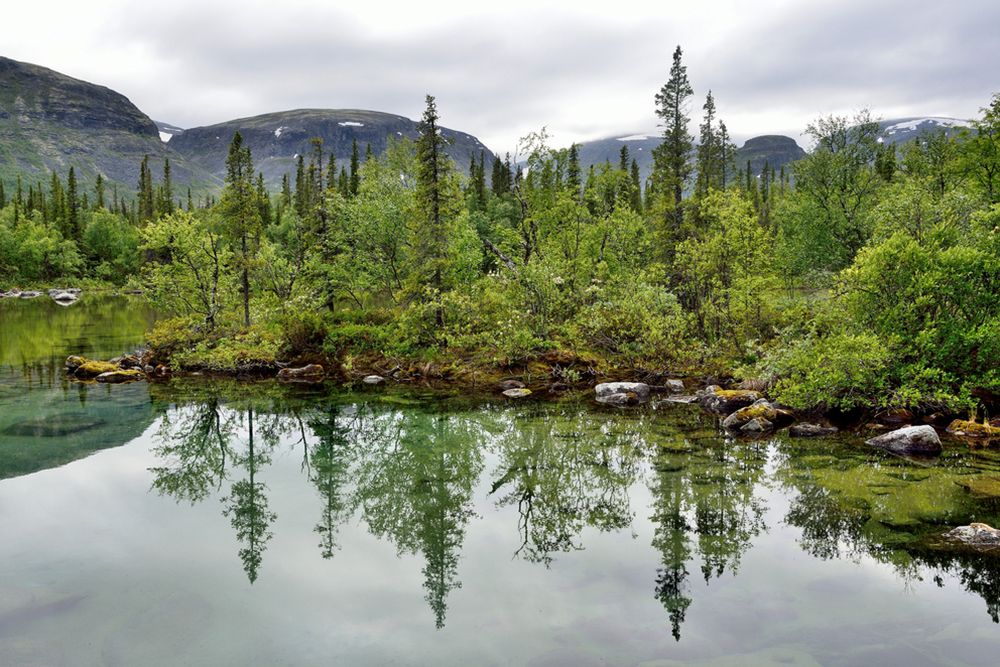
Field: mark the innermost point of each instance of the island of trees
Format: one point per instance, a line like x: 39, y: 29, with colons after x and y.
x: 865, y: 275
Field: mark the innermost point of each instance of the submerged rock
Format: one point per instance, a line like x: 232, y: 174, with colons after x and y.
x: 517, y: 392
x: 53, y: 427
x: 909, y: 440
x: 312, y: 370
x: 811, y: 431
x: 621, y: 399
x: 606, y: 389
x: 119, y: 376
x: 687, y: 400
x: 978, y: 535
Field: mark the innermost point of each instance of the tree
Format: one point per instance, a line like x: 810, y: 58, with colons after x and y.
x: 355, y: 167
x: 982, y: 150
x: 671, y: 164
x: 434, y: 201
x: 241, y: 212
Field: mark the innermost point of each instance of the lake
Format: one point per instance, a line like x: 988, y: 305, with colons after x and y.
x: 198, y: 521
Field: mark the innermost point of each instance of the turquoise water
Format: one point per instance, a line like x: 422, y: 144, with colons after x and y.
x: 201, y: 522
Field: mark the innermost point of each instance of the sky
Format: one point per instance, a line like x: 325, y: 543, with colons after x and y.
x: 583, y: 70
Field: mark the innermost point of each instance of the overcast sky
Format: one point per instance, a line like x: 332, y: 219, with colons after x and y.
x: 584, y: 69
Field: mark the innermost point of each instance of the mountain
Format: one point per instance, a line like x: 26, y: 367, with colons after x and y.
x: 277, y: 139
x: 901, y: 130
x: 773, y: 149
x: 49, y: 121
x: 776, y: 150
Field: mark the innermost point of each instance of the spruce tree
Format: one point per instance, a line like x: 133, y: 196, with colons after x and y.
x: 300, y: 187
x: 573, y: 172
x: 636, y: 198
x: 355, y: 167
x: 72, y: 207
x: 435, y: 204
x: 623, y: 161
x: 241, y: 211
x: 671, y: 163
x: 99, y: 190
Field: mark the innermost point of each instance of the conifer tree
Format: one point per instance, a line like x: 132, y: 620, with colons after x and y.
x: 146, y: 209
x: 355, y: 167
x: 241, y: 211
x: 573, y: 172
x: 300, y: 187
x: 636, y: 199
x: 331, y: 172
x: 72, y: 207
x: 623, y: 160
x: 671, y: 164
x: 190, y: 202
x: 344, y: 182
x: 286, y: 190
x: 434, y: 203
x: 166, y: 206
x: 3, y: 196
x: 99, y: 191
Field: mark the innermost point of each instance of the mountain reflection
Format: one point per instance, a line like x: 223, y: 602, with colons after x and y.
x: 411, y: 476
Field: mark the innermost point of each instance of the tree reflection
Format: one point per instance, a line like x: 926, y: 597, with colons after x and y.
x: 415, y: 483
x: 709, y: 493
x: 330, y: 470
x: 565, y: 472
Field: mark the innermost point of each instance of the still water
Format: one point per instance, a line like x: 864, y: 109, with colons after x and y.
x: 206, y: 522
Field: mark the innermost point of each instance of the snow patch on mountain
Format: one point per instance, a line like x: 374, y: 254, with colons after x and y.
x: 635, y: 137
x: 277, y: 132
x: 913, y: 124
x: 165, y: 136
x: 351, y: 123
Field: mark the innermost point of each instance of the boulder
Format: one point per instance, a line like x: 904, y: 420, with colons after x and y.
x: 760, y: 410
x: 73, y: 362
x: 758, y: 425
x: 511, y: 384
x: 312, y: 370
x: 909, y: 440
x: 13, y: 294
x: 29, y: 295
x: 517, y: 392
x: 640, y: 389
x: 978, y: 535
x: 726, y: 402
x: 121, y: 376
x: 675, y: 386
x: 810, y: 431
x: 558, y: 386
x: 374, y: 379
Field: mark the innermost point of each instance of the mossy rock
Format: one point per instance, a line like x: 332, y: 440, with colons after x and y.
x: 728, y: 401
x: 743, y: 416
x: 92, y: 368
x: 118, y: 376
x: 970, y: 429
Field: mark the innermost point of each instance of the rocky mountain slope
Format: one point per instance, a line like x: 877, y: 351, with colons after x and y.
x: 776, y: 150
x: 49, y: 121
x: 277, y: 139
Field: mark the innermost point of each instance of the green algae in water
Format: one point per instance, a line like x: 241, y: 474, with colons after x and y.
x: 53, y: 427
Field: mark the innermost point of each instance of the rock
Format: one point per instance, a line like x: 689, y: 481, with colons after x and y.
x: 91, y: 368
x: 621, y: 399
x: 13, y: 294
x: 760, y: 410
x: 970, y: 429
x: 909, y: 440
x: 810, y: 431
x: 374, y: 379
x: 687, y: 400
x: 29, y: 295
x: 606, y: 389
x: 128, y: 361
x: 978, y: 535
x: 148, y: 369
x: 119, y: 376
x: 675, y: 386
x: 74, y: 362
x: 517, y: 392
x: 311, y: 370
x: 558, y: 386
x: 758, y: 425
x: 896, y: 416
x: 723, y: 402
x: 62, y: 295
x: 511, y: 384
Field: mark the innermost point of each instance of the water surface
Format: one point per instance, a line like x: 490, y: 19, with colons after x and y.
x: 254, y: 523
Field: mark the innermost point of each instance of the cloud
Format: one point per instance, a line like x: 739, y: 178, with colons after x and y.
x: 584, y: 69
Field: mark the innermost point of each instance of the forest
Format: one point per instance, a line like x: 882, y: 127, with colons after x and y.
x: 866, y: 275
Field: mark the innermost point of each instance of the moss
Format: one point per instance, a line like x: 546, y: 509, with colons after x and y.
x: 972, y: 429
x: 756, y: 412
x: 737, y: 393
x: 91, y: 368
